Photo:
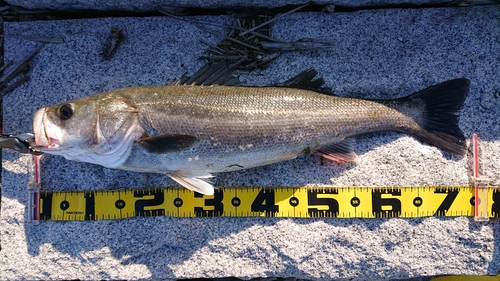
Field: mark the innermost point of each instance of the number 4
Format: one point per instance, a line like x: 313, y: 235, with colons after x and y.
x: 264, y: 202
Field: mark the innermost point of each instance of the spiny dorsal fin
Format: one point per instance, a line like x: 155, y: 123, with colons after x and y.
x: 304, y: 81
x: 220, y: 74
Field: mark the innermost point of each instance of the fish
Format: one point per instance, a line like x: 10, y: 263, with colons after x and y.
x: 192, y: 130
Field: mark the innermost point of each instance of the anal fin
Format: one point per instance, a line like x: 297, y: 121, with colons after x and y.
x: 194, y: 180
x: 341, y: 152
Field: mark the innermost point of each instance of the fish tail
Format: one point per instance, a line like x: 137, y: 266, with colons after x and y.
x: 439, y: 120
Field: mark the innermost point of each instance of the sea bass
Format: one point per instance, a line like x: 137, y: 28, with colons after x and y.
x: 191, y: 131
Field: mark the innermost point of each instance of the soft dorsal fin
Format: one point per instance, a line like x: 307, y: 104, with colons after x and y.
x: 219, y: 74
x: 304, y: 81
x: 167, y: 143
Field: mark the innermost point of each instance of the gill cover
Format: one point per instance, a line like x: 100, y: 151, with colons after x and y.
x: 99, y: 129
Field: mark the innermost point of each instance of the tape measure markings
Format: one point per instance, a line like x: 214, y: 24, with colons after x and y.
x: 300, y: 202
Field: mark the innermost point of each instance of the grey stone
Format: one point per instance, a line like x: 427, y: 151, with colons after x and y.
x: 378, y: 54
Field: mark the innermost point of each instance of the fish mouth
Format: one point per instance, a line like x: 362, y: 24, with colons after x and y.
x: 41, y: 127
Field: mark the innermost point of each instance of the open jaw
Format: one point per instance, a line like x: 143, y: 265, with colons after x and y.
x: 46, y: 133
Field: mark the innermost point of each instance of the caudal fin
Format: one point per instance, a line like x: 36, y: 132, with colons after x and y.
x: 439, y: 125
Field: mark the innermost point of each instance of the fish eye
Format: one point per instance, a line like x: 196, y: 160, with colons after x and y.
x: 65, y: 111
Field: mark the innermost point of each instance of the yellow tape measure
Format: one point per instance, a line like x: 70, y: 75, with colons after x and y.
x: 300, y: 202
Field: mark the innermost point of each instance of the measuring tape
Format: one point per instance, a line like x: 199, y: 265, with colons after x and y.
x: 301, y: 202
x: 481, y: 201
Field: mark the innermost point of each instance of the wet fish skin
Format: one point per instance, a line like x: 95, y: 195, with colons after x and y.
x: 189, y: 132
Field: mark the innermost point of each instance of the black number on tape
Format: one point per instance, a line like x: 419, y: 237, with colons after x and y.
x: 178, y: 202
x: 264, y: 202
x: 120, y: 204
x: 89, y: 206
x: 157, y: 200
x: 355, y: 202
x: 46, y: 211
x: 418, y: 201
x: 64, y: 205
x: 313, y: 200
x: 236, y: 201
x: 451, y: 194
x: 472, y: 201
x: 386, y: 207
x: 216, y: 203
x: 495, y: 208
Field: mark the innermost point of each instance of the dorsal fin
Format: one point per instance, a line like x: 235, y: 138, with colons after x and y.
x: 304, y: 81
x: 219, y: 74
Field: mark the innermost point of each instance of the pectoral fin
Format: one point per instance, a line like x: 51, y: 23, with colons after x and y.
x: 194, y: 180
x: 167, y: 143
x: 339, y: 151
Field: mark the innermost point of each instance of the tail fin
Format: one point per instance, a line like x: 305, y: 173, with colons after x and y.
x: 439, y: 126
